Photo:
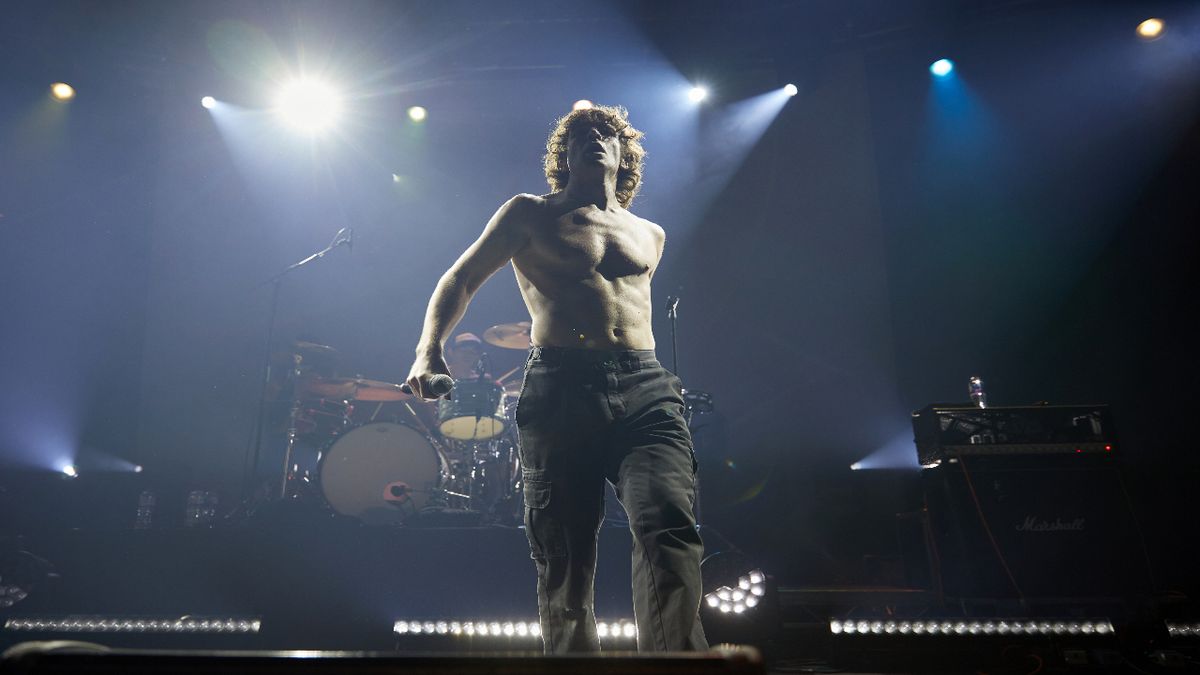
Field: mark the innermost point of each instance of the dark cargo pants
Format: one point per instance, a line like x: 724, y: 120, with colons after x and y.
x: 584, y: 417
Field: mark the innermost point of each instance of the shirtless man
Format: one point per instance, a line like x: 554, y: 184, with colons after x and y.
x: 595, y: 404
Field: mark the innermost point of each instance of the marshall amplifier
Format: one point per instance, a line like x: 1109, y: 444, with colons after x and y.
x: 1044, y: 527
x: 952, y: 430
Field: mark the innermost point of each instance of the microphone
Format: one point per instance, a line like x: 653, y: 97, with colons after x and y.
x: 439, y: 385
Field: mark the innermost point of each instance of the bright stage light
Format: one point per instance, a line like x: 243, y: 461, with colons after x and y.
x: 62, y: 91
x: 751, y: 587
x: 417, y: 113
x: 791, y: 89
x: 208, y: 102
x: 941, y: 67
x: 1150, y: 28
x: 697, y: 94
x: 582, y: 104
x: 309, y: 105
x: 69, y: 471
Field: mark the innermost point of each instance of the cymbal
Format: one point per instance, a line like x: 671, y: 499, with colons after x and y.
x: 357, y: 388
x: 509, y: 335
x: 312, y: 348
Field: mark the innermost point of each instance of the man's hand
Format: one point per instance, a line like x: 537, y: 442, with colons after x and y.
x: 422, y: 369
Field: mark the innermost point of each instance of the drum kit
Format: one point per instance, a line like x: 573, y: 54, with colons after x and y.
x: 368, y: 450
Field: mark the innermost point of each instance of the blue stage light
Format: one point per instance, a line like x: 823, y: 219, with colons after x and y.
x: 941, y: 67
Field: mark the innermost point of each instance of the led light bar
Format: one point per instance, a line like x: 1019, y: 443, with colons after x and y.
x: 110, y: 624
x: 617, y: 629
x: 751, y: 587
x: 518, y: 629
x: 972, y: 627
x: 1183, y: 629
x: 509, y: 629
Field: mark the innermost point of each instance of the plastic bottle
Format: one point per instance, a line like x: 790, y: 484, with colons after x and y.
x: 145, y: 510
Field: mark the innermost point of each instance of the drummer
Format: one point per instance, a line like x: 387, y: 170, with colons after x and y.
x: 462, y: 356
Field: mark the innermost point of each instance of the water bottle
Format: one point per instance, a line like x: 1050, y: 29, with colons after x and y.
x: 194, y: 514
x: 975, y: 390
x: 201, y: 508
x: 145, y: 510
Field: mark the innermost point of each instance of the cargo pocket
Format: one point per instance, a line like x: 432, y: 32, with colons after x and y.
x: 542, y: 528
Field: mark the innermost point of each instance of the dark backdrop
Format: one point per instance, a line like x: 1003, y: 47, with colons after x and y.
x: 857, y: 256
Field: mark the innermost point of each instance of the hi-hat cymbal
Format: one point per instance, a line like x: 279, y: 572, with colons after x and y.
x: 357, y: 388
x: 509, y: 335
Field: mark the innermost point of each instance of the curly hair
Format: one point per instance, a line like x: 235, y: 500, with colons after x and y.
x: 614, y: 119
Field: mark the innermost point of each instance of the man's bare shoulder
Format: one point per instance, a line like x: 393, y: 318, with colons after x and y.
x: 524, y: 203
x: 655, y: 229
x: 519, y: 212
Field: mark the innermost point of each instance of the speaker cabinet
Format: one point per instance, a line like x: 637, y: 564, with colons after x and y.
x: 1063, y: 528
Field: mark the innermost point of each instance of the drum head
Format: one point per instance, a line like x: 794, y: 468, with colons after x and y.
x: 475, y: 412
x: 382, y: 473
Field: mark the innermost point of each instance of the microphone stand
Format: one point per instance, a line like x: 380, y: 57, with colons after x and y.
x: 250, y: 464
x: 673, y: 314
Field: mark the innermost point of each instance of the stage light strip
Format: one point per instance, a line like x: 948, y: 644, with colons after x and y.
x: 108, y: 624
x: 973, y: 627
x: 510, y: 629
x: 1183, y: 629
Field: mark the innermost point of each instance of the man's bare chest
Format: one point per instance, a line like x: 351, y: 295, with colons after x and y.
x: 583, y: 246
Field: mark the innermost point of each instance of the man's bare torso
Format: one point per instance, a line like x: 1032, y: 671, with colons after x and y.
x: 585, y: 275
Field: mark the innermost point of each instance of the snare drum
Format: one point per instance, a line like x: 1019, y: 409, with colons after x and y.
x: 476, y: 413
x: 381, y: 473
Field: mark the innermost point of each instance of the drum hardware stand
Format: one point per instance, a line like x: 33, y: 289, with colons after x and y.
x: 289, y: 470
x: 250, y: 464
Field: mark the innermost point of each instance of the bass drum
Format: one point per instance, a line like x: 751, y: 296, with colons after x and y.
x: 382, y: 473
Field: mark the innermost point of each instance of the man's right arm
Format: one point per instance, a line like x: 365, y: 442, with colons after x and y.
x: 505, y: 234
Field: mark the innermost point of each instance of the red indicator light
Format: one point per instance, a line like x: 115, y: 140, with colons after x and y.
x: 1108, y: 448
x: 1078, y: 449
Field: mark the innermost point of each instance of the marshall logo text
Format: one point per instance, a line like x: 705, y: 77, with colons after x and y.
x: 1033, y: 524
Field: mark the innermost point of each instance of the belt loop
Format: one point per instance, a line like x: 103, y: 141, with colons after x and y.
x: 631, y: 362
